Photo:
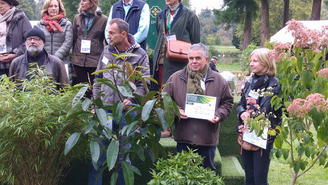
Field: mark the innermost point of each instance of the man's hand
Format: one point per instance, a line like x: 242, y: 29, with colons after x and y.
x: 126, y: 106
x: 182, y: 114
x: 216, y: 119
x: 7, y: 57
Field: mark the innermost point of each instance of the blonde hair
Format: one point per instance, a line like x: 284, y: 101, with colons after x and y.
x: 93, y: 8
x: 46, y: 5
x: 269, y: 64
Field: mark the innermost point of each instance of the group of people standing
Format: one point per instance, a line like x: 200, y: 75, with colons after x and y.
x: 94, y: 38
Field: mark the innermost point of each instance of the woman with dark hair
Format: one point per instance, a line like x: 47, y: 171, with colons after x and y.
x: 88, y: 40
x: 58, y: 31
x: 13, y: 25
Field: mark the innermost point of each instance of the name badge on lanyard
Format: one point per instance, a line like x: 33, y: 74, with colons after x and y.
x: 85, y: 46
x: 254, y: 94
x: 171, y: 37
x: 3, y: 49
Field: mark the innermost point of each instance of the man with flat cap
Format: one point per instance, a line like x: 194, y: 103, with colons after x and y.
x: 212, y: 63
x: 35, y: 53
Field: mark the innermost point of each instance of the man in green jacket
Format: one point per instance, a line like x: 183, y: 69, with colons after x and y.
x: 179, y: 23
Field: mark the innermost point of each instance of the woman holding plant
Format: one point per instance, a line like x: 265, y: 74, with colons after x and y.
x: 253, y: 104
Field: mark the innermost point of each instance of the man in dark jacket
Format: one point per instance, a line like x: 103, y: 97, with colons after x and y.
x: 212, y: 63
x: 34, y: 41
x: 136, y: 13
x: 197, y: 78
x: 176, y: 22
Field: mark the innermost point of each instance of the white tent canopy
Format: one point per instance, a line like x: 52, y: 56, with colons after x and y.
x: 284, y: 36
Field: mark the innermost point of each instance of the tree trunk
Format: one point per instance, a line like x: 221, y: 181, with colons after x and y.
x: 286, y: 13
x: 316, y: 9
x: 265, y: 27
x: 247, y: 30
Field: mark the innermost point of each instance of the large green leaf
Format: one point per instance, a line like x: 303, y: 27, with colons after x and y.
x: 138, y: 149
x: 80, y: 94
x: 317, y: 117
x: 125, y: 90
x: 90, y: 126
x: 168, y: 108
x: 307, y: 79
x: 112, y: 154
x: 95, y: 151
x: 150, y: 95
x: 86, y: 103
x: 161, y: 115
x: 127, y: 173
x: 118, y: 112
x: 102, y: 116
x: 113, y: 178
x: 71, y: 141
x: 147, y: 109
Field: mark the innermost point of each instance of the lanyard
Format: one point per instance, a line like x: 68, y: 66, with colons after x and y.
x: 87, y: 25
x: 169, y: 23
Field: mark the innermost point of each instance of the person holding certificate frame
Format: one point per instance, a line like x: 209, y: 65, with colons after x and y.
x: 257, y: 161
x: 198, y: 83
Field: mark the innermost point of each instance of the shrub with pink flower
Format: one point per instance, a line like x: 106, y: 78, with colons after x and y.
x: 299, y: 106
x: 323, y: 72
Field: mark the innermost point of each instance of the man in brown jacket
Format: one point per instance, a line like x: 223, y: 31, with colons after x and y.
x: 198, y: 78
x: 34, y: 40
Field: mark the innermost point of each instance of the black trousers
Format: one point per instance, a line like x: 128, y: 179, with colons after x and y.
x: 257, y: 166
x: 83, y: 75
x: 4, y: 71
x: 208, y: 152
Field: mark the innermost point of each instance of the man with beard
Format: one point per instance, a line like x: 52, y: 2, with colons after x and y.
x: 36, y: 54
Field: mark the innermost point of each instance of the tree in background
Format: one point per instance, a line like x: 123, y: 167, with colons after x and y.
x: 316, y: 9
x: 237, y: 12
x: 26, y: 6
x: 265, y: 26
x: 286, y: 12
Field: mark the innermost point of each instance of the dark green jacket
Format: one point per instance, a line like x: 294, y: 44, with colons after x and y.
x: 186, y: 28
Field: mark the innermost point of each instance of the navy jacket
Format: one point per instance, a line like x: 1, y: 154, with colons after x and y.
x: 132, y: 17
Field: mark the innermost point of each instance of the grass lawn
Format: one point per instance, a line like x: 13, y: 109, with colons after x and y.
x: 224, y: 49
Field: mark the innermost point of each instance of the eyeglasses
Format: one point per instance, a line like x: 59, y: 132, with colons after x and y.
x: 33, y: 38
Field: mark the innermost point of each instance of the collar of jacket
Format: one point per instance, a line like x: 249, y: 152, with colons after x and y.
x: 184, y: 74
x: 163, y: 14
x: 134, y: 45
x: 45, y: 62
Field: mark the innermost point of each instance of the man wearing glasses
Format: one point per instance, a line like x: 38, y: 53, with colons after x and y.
x: 35, y: 54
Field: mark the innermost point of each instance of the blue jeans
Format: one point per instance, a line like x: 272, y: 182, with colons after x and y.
x: 93, y: 173
x: 257, y: 166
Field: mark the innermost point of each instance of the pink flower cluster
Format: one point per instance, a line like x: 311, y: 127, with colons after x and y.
x: 279, y: 51
x: 299, y: 106
x: 308, y: 38
x: 323, y: 72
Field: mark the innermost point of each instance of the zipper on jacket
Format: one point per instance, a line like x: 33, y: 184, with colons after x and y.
x: 51, y: 42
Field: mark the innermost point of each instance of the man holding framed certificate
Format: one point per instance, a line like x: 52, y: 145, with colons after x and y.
x: 204, y: 100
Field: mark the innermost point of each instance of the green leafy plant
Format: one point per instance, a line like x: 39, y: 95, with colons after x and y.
x: 155, y: 113
x: 31, y: 112
x: 302, y: 72
x: 244, y: 58
x: 183, y: 168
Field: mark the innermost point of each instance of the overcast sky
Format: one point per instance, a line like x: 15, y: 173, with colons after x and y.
x: 203, y: 4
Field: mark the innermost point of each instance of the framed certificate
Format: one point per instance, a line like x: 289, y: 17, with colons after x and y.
x: 251, y: 137
x: 200, y: 106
